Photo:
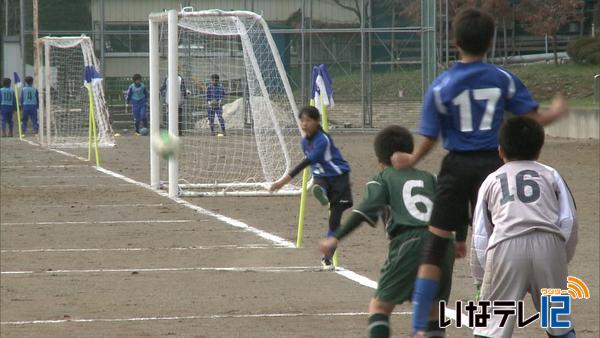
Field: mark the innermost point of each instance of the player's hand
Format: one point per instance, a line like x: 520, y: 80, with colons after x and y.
x: 328, y: 245
x: 280, y: 183
x: 276, y: 186
x: 559, y: 107
x: 402, y: 160
x: 460, y: 249
x: 419, y: 334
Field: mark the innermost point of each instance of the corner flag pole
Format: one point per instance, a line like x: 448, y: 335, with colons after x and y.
x: 92, y: 134
x: 302, y: 208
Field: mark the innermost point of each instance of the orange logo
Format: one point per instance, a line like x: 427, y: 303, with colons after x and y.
x: 576, y: 288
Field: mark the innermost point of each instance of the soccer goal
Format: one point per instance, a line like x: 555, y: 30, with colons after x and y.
x: 69, y: 74
x: 239, y: 133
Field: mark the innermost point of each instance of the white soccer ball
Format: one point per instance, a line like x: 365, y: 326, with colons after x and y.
x: 166, y: 145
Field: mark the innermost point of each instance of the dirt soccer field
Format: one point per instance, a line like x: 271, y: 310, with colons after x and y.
x: 93, y: 252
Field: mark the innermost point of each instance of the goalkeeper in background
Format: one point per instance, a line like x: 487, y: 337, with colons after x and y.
x: 331, y: 173
x: 214, y: 98
x: 404, y: 200
x: 137, y: 96
x: 8, y: 104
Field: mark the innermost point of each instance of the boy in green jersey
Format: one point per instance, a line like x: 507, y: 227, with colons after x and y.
x: 403, y: 200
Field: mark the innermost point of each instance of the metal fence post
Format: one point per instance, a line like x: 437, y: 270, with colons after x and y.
x: 597, y: 88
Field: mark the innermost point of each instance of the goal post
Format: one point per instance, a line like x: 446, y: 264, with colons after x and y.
x: 69, y: 74
x: 219, y: 77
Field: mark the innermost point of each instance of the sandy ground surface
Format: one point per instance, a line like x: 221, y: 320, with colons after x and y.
x: 85, y: 254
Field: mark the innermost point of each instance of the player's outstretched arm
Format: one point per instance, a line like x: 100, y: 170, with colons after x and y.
x: 289, y: 176
x: 558, y: 108
x: 280, y: 183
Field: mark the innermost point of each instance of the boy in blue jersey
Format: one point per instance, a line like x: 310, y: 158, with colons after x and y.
x: 331, y: 173
x: 214, y: 98
x: 466, y: 105
x: 30, y: 103
x: 8, y: 104
x: 137, y: 96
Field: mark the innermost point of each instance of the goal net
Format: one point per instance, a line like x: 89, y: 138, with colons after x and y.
x: 239, y: 133
x: 68, y: 69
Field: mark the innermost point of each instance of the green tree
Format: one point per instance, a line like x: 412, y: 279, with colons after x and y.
x: 543, y: 17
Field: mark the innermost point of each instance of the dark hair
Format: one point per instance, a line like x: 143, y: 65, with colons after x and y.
x: 5, y: 82
x: 137, y: 77
x: 521, y: 138
x: 390, y: 140
x: 473, y: 31
x: 313, y: 114
x: 310, y: 112
x: 214, y: 77
x: 28, y: 80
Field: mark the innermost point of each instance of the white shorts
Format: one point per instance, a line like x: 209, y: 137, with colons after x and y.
x: 520, y: 265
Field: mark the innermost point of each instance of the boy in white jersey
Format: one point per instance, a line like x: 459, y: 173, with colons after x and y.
x: 524, y: 227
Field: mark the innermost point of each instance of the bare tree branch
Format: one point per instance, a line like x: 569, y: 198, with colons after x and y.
x: 355, y: 10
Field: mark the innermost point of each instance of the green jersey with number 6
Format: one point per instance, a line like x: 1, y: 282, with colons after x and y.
x: 402, y: 198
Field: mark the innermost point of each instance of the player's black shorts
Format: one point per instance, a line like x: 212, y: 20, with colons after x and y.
x: 458, y: 182
x: 337, y: 187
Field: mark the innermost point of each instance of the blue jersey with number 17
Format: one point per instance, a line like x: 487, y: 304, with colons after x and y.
x: 466, y: 104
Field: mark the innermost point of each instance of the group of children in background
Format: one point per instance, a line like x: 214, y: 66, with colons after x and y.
x: 29, y: 101
x: 524, y: 223
x: 137, y: 97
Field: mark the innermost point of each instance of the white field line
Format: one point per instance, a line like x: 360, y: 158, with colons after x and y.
x: 241, y: 316
x: 36, y: 186
x: 75, y: 206
x: 204, y: 247
x: 61, y: 176
x: 238, y: 224
x: 106, y: 222
x: 44, y: 166
x: 25, y: 163
x: 263, y: 234
x: 228, y: 269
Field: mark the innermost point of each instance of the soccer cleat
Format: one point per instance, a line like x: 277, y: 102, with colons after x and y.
x: 327, y: 263
x: 320, y: 194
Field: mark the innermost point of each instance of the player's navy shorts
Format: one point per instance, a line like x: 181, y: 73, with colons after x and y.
x: 460, y: 176
x: 337, y: 187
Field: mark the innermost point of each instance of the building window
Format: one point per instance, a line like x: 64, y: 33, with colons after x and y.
x: 126, y: 38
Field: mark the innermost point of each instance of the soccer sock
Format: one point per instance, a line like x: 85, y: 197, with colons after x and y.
x: 330, y: 233
x: 434, y: 330
x: 425, y: 291
x: 379, y: 326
